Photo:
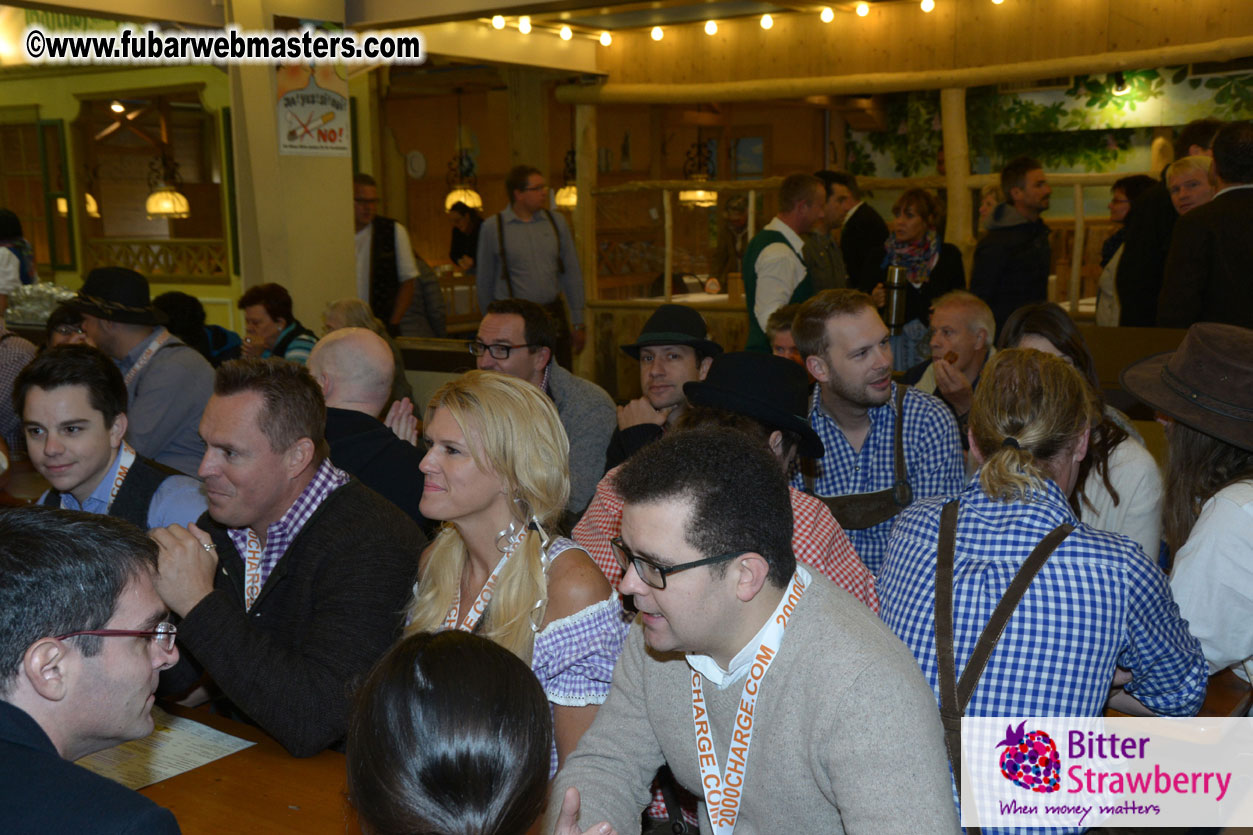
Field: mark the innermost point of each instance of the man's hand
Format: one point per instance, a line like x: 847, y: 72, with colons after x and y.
x: 639, y: 411
x: 251, y: 347
x: 568, y: 822
x: 879, y: 294
x: 186, y: 560
x: 465, y: 262
x: 578, y: 336
x: 953, y: 385
x: 402, y: 421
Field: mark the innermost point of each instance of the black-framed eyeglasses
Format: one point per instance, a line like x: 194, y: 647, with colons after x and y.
x: 497, y: 350
x: 654, y: 574
x: 163, y: 635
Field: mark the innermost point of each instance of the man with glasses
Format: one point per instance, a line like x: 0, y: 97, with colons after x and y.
x: 526, y: 252
x: 770, y: 693
x: 517, y: 337
x: 83, y: 638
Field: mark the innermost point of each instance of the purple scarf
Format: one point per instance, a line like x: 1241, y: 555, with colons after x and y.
x: 917, y: 257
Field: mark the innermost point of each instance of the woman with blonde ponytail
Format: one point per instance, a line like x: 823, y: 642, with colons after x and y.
x: 1086, y: 608
x: 496, y: 477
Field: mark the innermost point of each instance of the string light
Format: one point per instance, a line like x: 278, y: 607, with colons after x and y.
x: 928, y: 5
x: 565, y: 33
x: 863, y: 9
x: 997, y: 2
x: 711, y: 27
x: 656, y: 34
x: 524, y: 25
x: 498, y: 21
x: 605, y: 39
x: 766, y: 21
x: 827, y: 14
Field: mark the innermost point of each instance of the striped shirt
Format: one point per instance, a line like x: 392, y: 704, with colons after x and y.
x: 933, y: 459
x: 1096, y: 604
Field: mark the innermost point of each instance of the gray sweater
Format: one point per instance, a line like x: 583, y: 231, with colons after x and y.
x: 846, y: 735
x: 589, y: 416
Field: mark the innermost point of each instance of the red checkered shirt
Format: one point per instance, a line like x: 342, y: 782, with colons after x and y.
x: 817, y: 539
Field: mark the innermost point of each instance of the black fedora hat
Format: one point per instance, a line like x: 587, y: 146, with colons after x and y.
x: 769, y: 389
x: 1207, y: 383
x: 119, y: 295
x: 674, y: 324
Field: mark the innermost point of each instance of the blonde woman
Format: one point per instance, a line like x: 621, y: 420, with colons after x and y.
x: 496, y: 476
x: 1095, y: 607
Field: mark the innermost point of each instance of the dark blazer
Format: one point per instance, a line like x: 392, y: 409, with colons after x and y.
x: 1209, y: 271
x: 1011, y: 264
x: 364, y: 447
x: 861, y: 243
x: 1146, y: 242
x: 40, y: 792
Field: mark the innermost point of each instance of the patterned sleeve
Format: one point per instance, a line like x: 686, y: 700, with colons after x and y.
x: 574, y: 657
x: 820, y: 542
x: 601, y: 522
x: 940, y: 470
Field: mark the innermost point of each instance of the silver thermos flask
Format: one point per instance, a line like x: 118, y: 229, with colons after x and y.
x: 895, y: 302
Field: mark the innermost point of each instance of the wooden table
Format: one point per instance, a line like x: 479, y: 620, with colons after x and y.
x: 259, y: 790
x: 1226, y: 695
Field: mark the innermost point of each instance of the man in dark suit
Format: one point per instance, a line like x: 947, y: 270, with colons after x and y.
x: 1211, y: 252
x: 1146, y: 240
x: 862, y: 230
x: 83, y: 641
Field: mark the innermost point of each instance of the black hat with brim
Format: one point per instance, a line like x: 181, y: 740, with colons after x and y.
x: 119, y: 295
x: 674, y: 324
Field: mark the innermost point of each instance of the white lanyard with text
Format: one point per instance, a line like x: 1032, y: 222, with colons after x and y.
x: 126, y: 459
x: 724, y: 794
x: 475, y: 612
x: 152, y: 348
x: 252, y: 569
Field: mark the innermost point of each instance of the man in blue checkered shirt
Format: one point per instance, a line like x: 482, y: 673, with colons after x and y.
x: 853, y: 410
x: 1099, y: 612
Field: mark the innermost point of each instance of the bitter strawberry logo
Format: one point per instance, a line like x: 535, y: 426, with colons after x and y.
x: 1030, y: 760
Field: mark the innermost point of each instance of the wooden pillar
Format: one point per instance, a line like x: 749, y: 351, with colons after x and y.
x: 1076, y: 255
x: 957, y: 171
x: 839, y: 141
x: 528, y: 118
x: 668, y: 258
x: 585, y: 220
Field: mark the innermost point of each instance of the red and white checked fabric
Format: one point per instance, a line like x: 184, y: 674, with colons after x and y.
x: 817, y: 539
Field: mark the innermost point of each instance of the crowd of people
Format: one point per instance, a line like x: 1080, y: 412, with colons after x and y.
x: 510, y: 609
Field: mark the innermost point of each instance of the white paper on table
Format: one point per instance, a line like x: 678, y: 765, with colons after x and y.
x: 175, y: 745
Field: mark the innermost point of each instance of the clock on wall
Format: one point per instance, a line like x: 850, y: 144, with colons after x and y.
x: 415, y: 164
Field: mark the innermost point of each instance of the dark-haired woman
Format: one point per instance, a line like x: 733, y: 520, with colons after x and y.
x: 17, y: 262
x: 1203, y: 388
x: 465, y: 236
x: 1120, y: 486
x: 932, y: 268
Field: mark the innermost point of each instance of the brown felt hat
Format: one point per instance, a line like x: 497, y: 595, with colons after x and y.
x: 1206, y: 384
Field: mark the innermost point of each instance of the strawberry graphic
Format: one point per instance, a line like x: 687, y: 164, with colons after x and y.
x: 1030, y: 760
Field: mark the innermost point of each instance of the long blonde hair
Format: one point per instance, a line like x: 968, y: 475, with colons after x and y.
x: 512, y: 430
x: 1040, y: 402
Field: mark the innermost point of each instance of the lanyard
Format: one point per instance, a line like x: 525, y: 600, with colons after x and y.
x: 153, y: 347
x: 252, y: 569
x: 724, y: 793
x: 475, y: 612
x: 126, y: 459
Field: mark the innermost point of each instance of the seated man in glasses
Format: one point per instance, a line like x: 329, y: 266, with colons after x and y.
x: 769, y: 692
x: 518, y: 337
x: 83, y: 638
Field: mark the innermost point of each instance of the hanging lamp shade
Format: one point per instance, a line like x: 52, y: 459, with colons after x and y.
x: 463, y: 194
x: 698, y: 197
x: 166, y: 202
x: 567, y: 197
x: 89, y: 203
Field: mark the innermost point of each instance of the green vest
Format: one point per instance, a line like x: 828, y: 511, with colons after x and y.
x: 757, y: 340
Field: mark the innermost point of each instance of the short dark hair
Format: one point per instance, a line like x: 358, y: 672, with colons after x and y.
x: 539, y: 329
x: 62, y: 571
x: 517, y: 177
x: 797, y: 189
x: 781, y: 319
x: 292, y: 402
x: 363, y: 179
x: 696, y: 416
x: 1134, y: 185
x: 186, y: 318
x: 422, y: 757
x: 830, y: 179
x: 809, y: 328
x: 1014, y: 174
x: 10, y: 225
x: 1199, y: 132
x: 1233, y: 153
x: 737, y: 491
x: 62, y: 314
x: 273, y: 297
x: 75, y: 365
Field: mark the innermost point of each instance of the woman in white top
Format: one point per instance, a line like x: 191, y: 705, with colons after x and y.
x: 1204, y: 389
x: 17, y: 264
x: 1119, y: 487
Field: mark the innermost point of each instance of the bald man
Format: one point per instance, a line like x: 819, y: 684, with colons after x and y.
x: 354, y: 368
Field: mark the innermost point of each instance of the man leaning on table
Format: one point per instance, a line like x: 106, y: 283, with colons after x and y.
x: 290, y: 586
x: 83, y: 637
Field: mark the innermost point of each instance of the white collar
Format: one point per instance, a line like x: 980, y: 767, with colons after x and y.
x: 850, y: 212
x: 1233, y: 188
x: 794, y: 240
x: 722, y: 679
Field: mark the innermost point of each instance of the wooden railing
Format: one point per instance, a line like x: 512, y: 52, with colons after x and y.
x: 173, y: 260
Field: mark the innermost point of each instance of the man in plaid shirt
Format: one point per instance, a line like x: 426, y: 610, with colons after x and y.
x: 853, y: 410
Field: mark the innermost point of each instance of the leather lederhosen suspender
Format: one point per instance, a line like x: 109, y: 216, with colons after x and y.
x: 955, y: 693
x: 858, y: 511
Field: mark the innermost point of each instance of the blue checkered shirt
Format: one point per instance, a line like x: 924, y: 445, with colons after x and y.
x: 1097, y: 603
x: 933, y: 459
